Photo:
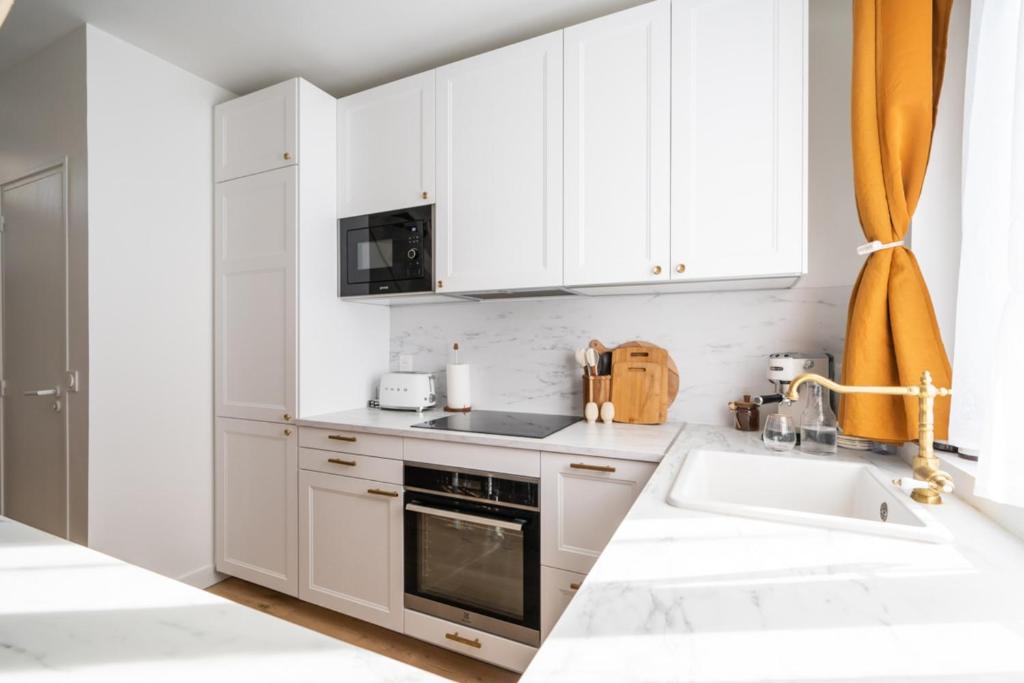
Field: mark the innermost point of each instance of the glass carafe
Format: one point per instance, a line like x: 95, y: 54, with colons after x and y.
x: 817, y: 424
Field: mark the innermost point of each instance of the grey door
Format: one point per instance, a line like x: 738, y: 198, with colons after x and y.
x: 34, y: 244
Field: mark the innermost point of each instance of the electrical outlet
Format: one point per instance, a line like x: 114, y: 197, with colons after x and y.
x: 404, y: 362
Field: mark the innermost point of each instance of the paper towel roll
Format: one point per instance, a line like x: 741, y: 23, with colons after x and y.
x: 458, y: 387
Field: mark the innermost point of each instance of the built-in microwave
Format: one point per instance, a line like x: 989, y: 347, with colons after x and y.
x: 386, y: 253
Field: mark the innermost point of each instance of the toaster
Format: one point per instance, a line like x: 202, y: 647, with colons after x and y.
x: 407, y: 391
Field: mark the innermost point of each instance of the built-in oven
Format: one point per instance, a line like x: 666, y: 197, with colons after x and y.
x: 472, y: 549
x: 386, y: 253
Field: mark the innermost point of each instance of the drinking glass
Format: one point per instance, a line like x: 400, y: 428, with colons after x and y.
x: 779, y: 433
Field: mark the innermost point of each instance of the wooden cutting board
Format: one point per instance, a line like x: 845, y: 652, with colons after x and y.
x: 673, y: 370
x: 640, y: 383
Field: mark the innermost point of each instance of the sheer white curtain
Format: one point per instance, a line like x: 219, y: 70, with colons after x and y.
x: 988, y: 361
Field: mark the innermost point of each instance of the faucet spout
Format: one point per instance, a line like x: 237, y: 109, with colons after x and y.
x: 925, y: 464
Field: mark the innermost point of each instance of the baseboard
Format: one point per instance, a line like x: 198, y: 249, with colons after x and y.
x: 204, y: 577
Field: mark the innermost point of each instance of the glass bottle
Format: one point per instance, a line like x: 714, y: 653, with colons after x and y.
x: 817, y: 424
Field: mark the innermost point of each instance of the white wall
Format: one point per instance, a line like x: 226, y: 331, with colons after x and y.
x: 150, y: 138
x: 42, y: 121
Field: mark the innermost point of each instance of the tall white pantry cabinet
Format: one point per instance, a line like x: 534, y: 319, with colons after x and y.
x: 275, y: 253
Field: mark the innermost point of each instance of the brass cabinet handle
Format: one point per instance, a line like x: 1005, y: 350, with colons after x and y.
x: 656, y: 270
x: 382, y: 492
x: 287, y: 156
x: 593, y: 468
x: 574, y: 586
x: 440, y: 284
x: 287, y: 417
x: 464, y: 641
x: 287, y: 432
x: 339, y: 437
x: 681, y: 268
x: 339, y: 461
x: 424, y: 195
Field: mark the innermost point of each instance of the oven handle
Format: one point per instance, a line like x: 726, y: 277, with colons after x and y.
x: 463, y: 517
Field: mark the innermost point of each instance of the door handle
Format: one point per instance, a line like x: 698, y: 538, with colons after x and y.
x: 44, y: 392
x: 592, y: 468
x: 463, y: 517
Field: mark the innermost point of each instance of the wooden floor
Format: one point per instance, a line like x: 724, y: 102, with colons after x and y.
x: 388, y: 643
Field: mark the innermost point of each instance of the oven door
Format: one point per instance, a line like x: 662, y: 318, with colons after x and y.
x: 475, y: 564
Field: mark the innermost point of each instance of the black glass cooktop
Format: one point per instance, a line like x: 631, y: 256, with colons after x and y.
x: 529, y: 425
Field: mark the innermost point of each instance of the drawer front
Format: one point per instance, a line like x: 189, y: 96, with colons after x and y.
x: 557, y: 589
x: 347, y: 441
x: 351, y: 465
x: 490, y: 648
x: 496, y: 459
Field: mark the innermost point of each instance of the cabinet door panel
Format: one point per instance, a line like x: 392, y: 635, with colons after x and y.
x: 257, y: 132
x: 738, y: 140
x: 256, y: 503
x: 499, y: 203
x: 255, y: 296
x: 350, y: 547
x: 617, y: 147
x: 386, y: 147
x: 583, y: 506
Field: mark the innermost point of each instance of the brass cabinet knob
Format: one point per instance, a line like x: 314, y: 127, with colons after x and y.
x: 287, y: 432
x: 287, y: 417
x: 681, y: 268
x: 287, y: 156
x: 656, y: 270
x: 424, y: 195
x: 440, y: 284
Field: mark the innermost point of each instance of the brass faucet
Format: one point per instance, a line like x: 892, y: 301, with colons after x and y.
x: 926, y: 465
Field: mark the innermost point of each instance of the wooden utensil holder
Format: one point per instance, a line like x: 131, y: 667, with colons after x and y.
x: 597, y: 388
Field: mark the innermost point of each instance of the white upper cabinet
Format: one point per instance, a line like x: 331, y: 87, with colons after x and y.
x: 499, y: 169
x: 255, y: 296
x: 257, y: 132
x: 386, y: 147
x: 738, y: 138
x: 617, y: 92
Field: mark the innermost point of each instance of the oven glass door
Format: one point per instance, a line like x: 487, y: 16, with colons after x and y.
x: 474, y: 557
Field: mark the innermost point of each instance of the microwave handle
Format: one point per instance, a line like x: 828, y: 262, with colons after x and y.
x: 463, y: 517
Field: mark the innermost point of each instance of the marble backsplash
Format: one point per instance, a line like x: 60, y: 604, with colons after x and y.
x: 522, y: 351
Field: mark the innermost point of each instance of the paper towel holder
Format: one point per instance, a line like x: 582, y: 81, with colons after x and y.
x: 462, y: 370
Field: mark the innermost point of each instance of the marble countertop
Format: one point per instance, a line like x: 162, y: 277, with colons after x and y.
x: 629, y: 442
x: 70, y: 613
x: 681, y: 595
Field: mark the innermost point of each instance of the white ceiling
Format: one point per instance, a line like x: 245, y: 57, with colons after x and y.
x: 343, y: 46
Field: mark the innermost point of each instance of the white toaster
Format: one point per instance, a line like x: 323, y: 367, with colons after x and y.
x: 407, y: 391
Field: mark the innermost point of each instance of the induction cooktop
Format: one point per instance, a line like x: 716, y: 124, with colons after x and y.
x: 529, y: 425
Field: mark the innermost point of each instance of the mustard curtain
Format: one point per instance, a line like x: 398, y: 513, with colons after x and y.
x: 899, y: 50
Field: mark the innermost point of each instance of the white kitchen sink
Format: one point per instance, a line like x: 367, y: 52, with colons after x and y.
x: 849, y: 496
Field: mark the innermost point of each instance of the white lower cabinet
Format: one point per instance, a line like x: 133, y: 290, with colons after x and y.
x: 469, y: 641
x: 557, y: 589
x: 350, y: 547
x: 256, y: 507
x: 583, y: 501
